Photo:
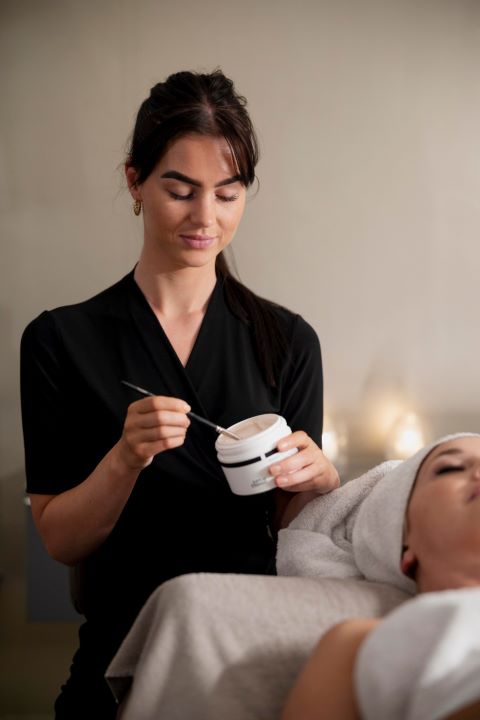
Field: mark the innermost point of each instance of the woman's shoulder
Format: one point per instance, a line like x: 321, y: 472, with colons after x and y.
x: 107, y: 299
x: 298, y: 329
x: 292, y: 321
x: 107, y: 302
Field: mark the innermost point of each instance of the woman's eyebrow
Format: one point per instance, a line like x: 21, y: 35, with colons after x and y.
x: 175, y: 175
x: 448, y: 451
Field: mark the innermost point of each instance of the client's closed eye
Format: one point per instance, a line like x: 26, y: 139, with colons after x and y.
x: 449, y: 469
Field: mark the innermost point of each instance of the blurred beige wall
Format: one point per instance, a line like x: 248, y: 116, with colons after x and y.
x: 368, y: 214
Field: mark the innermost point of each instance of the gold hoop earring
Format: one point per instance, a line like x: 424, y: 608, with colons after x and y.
x: 137, y: 207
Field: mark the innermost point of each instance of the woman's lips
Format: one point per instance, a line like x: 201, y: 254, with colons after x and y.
x: 198, y: 242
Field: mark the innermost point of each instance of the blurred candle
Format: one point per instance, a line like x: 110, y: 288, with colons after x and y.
x: 330, y: 444
x: 406, y: 436
x: 334, y: 442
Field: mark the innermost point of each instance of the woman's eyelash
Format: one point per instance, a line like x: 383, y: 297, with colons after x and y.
x: 176, y: 196
x: 222, y: 198
x: 449, y: 468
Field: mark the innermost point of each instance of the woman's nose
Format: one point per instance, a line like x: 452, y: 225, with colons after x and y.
x: 203, y: 212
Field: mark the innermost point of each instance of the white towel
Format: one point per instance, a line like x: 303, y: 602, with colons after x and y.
x: 378, y: 533
x: 356, y: 530
x: 319, y: 540
x: 430, y: 677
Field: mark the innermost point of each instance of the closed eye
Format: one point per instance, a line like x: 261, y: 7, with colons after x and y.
x: 177, y: 196
x: 449, y: 469
x: 190, y: 196
x: 227, y: 198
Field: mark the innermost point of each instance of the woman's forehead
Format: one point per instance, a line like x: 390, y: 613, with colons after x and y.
x: 452, y: 448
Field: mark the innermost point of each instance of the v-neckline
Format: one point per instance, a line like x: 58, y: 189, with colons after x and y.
x: 212, y: 301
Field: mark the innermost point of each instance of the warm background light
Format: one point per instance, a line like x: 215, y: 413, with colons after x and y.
x: 334, y: 441
x: 406, y: 436
x: 330, y: 444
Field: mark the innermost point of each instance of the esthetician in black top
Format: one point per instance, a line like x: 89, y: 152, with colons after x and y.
x: 123, y: 486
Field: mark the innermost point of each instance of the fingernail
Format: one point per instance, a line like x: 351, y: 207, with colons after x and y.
x: 282, y: 446
x: 281, y: 481
x: 275, y: 470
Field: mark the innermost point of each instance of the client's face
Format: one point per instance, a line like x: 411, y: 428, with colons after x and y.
x: 443, y: 517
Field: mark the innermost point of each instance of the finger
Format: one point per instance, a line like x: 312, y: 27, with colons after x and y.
x: 319, y: 478
x: 292, y: 463
x: 286, y: 484
x: 147, y: 450
x: 162, y: 418
x: 298, y: 439
x: 155, y: 434
x: 160, y: 402
x: 167, y: 444
x: 308, y: 474
x: 310, y: 477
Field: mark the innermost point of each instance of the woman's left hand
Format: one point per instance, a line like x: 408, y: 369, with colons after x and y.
x: 306, y: 470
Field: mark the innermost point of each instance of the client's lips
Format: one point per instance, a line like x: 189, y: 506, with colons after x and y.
x: 475, y: 493
x: 197, y: 241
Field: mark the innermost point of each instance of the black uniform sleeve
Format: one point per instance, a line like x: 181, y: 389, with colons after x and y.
x: 44, y: 412
x: 302, y: 392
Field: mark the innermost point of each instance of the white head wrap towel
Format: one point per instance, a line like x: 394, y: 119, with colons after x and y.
x: 356, y: 531
x: 377, y: 535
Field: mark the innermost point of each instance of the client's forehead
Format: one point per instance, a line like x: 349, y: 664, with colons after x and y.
x: 458, y: 447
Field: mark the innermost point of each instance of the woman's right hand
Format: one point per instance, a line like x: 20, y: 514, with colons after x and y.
x: 74, y: 523
x: 153, y: 425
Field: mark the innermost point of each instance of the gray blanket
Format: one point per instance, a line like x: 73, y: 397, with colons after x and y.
x: 228, y: 647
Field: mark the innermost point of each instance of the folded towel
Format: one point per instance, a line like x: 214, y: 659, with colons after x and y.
x: 356, y: 530
x: 319, y: 540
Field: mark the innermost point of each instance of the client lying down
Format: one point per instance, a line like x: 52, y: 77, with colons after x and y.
x: 415, y: 526
x: 213, y: 646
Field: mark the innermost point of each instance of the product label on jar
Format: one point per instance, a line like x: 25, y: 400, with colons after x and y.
x: 262, y: 478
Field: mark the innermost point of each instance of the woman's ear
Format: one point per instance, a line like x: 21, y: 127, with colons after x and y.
x: 131, y: 176
x: 409, y: 562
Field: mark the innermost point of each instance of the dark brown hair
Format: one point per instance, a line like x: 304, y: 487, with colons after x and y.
x: 207, y: 104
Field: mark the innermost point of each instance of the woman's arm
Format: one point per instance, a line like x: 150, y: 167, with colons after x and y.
x: 301, y: 478
x: 74, y: 523
x: 78, y: 495
x: 307, y: 473
x: 324, y: 689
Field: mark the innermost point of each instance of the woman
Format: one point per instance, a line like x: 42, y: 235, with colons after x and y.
x: 124, y: 488
x: 421, y: 662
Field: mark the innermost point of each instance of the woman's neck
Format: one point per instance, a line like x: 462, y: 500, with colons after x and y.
x: 181, y: 292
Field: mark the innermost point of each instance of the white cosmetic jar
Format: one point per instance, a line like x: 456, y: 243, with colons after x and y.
x: 245, y: 462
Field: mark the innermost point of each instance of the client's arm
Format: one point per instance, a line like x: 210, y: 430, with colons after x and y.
x: 472, y: 712
x: 324, y: 689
